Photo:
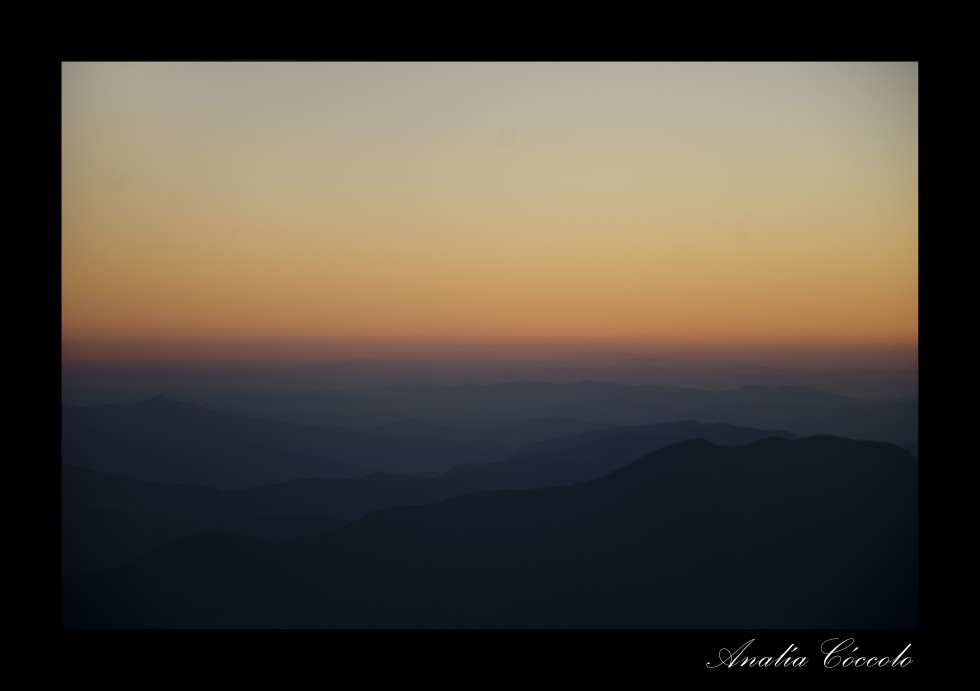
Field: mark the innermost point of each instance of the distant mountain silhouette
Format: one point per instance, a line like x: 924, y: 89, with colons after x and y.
x: 110, y: 520
x: 801, y: 410
x: 812, y: 533
x: 163, y: 440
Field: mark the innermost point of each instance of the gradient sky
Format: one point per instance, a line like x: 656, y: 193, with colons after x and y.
x: 323, y: 211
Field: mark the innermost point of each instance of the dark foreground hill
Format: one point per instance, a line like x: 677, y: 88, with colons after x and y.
x: 813, y: 533
x: 108, y: 520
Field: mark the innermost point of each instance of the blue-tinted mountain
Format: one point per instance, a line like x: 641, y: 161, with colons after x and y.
x: 162, y: 440
x: 811, y: 533
x: 801, y: 410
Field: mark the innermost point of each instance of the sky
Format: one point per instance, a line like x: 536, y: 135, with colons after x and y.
x: 576, y: 215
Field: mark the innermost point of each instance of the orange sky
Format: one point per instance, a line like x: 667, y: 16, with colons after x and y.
x: 327, y: 210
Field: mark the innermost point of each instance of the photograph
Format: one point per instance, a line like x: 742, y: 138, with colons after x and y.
x: 464, y: 344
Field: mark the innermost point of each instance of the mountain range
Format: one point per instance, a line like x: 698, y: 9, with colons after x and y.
x: 818, y: 532
x: 163, y: 440
x: 801, y: 410
x: 108, y: 520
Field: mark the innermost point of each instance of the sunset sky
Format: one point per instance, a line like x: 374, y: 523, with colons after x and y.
x: 323, y: 212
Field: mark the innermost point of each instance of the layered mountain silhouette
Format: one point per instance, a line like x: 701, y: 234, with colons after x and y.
x: 163, y: 440
x: 809, y: 533
x: 580, y: 457
x: 801, y: 410
x: 109, y: 520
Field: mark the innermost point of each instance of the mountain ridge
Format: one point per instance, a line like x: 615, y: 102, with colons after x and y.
x: 809, y: 533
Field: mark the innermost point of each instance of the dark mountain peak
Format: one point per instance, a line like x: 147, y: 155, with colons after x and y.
x: 832, y: 450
